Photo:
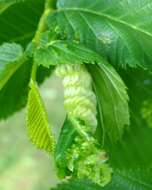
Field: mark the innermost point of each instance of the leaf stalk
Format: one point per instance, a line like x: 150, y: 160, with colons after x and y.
x: 49, y: 7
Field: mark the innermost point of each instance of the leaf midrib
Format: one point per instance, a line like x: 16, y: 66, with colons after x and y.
x: 107, y: 17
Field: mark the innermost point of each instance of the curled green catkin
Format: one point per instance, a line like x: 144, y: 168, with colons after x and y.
x: 79, y: 99
x: 85, y: 158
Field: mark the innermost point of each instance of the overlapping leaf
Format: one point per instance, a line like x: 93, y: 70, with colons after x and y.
x: 62, y: 52
x: 112, y: 100
x: 120, y: 30
x: 37, y: 121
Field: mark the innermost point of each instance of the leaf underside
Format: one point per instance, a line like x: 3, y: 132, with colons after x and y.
x: 37, y: 121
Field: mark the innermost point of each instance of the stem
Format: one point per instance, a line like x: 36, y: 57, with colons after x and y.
x: 49, y: 6
x: 41, y: 27
x: 79, y: 129
x: 34, y: 71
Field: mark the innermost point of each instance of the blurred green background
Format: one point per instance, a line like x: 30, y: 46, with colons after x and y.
x: 22, y: 166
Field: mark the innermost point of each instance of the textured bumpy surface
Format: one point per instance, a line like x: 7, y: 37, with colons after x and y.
x: 84, y: 157
x: 80, y: 101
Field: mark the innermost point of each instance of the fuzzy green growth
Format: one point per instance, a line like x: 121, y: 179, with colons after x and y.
x: 86, y: 160
x: 83, y: 156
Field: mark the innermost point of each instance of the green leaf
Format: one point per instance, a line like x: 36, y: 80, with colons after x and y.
x: 11, y: 58
x: 37, y: 121
x: 79, y: 155
x: 64, y: 142
x: 13, y: 95
x: 19, y: 21
x: 62, y: 52
x: 146, y: 111
x: 122, y: 180
x: 4, y: 4
x: 112, y: 100
x: 119, y: 30
x: 17, y: 85
x: 10, y: 1
x: 131, y: 179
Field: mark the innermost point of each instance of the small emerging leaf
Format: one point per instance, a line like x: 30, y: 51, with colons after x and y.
x: 37, y: 121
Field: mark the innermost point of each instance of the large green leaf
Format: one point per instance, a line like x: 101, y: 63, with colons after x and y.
x: 62, y: 52
x: 19, y: 21
x: 37, y: 121
x: 11, y: 58
x: 120, y: 30
x: 122, y: 180
x: 112, y: 100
